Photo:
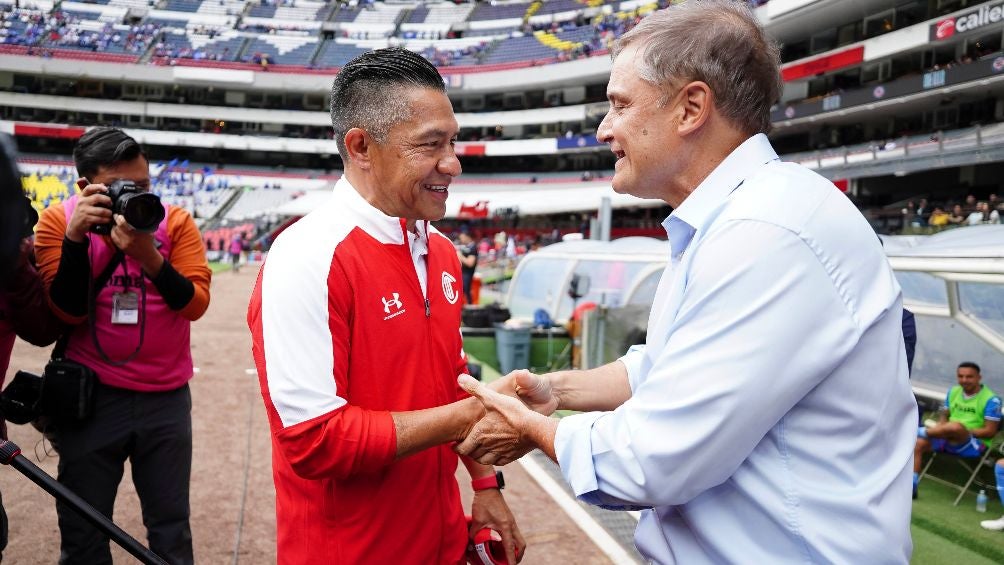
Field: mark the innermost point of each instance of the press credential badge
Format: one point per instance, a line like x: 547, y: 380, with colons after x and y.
x: 125, y: 308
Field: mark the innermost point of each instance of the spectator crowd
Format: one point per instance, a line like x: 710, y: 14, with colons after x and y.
x: 59, y: 29
x: 936, y: 216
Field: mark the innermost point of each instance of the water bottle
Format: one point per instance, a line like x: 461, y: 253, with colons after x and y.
x: 981, y: 501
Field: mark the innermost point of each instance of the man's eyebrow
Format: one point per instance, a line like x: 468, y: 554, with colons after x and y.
x: 436, y: 133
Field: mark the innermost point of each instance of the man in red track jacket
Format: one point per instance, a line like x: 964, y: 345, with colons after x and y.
x: 355, y: 321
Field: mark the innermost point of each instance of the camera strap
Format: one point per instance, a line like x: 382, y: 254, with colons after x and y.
x: 92, y: 307
x: 94, y: 288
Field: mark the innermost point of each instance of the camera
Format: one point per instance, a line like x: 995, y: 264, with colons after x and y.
x: 142, y: 210
x: 20, y: 402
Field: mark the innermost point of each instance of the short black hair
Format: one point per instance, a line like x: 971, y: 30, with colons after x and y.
x: 366, y: 92
x: 969, y: 365
x: 104, y: 147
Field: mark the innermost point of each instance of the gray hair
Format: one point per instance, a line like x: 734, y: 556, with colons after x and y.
x: 368, y: 92
x: 718, y: 42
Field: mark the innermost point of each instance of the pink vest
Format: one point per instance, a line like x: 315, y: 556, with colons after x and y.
x: 7, y: 336
x: 165, y: 360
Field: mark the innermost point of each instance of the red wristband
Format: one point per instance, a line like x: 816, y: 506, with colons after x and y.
x: 491, y: 481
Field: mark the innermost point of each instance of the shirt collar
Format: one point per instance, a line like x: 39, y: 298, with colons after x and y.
x: 700, y: 205
x: 384, y: 228
x: 421, y: 232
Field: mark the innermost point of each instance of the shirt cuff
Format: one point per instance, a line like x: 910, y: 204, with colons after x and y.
x: 573, y: 447
x: 632, y: 360
x: 176, y: 290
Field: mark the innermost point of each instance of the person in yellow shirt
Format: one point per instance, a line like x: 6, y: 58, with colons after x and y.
x: 939, y: 218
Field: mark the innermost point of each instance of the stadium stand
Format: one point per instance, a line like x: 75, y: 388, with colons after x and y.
x: 418, y: 15
x: 488, y: 11
x: 222, y: 32
x: 305, y: 10
x: 379, y: 20
x: 282, y: 49
x: 183, y: 5
x: 136, y: 5
x: 345, y: 13
x: 21, y: 26
x: 201, y: 191
x: 448, y: 13
x: 255, y: 202
x: 179, y: 44
x: 302, y: 18
x: 222, y: 7
x: 502, y: 32
x: 335, y: 53
x: 201, y: 204
x: 98, y: 12
x: 526, y: 48
x: 77, y: 26
x: 559, y: 6
x: 46, y: 188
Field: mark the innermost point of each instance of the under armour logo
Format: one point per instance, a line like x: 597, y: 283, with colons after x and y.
x: 392, y: 302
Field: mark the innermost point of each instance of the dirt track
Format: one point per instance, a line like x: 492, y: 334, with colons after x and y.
x: 233, y: 512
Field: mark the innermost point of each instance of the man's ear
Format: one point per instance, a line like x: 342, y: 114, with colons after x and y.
x: 696, y: 104
x: 358, y: 145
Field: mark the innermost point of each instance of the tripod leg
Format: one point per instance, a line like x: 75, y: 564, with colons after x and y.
x: 10, y: 454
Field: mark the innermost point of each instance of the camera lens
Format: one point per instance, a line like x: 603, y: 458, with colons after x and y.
x: 143, y: 211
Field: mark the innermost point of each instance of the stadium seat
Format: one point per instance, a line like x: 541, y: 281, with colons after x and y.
x: 335, y: 54
x: 284, y: 49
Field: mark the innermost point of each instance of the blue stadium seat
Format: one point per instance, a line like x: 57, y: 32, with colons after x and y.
x: 178, y: 44
x: 333, y: 54
x: 260, y: 11
x: 418, y: 15
x: 486, y: 11
x: 525, y: 48
x: 346, y: 14
x: 183, y: 5
x: 284, y: 49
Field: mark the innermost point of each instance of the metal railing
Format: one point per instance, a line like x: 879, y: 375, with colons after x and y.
x: 924, y: 146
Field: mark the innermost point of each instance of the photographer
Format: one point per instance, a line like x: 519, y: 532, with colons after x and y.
x: 24, y: 311
x: 131, y: 296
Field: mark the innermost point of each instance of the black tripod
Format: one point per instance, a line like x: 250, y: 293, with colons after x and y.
x: 10, y: 454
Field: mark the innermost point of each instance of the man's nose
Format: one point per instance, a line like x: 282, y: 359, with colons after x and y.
x: 450, y: 165
x: 603, y: 131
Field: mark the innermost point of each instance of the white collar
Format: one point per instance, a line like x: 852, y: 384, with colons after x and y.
x: 383, y: 228
x: 700, y: 206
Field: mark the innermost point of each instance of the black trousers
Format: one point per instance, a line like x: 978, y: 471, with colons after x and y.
x: 466, y: 279
x: 3, y: 529
x: 154, y: 431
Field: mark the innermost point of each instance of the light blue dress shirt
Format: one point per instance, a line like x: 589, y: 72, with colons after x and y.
x: 771, y: 417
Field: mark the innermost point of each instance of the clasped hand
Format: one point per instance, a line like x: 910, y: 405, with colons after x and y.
x: 515, y: 406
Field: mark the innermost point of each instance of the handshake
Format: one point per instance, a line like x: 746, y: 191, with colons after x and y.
x: 516, y: 418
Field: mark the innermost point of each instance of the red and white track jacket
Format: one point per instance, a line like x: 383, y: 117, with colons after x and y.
x: 342, y: 337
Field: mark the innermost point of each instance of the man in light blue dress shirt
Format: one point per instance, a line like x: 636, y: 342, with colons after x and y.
x: 768, y: 418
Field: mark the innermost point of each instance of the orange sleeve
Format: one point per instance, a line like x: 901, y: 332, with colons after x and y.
x: 49, y: 250
x: 188, y: 257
